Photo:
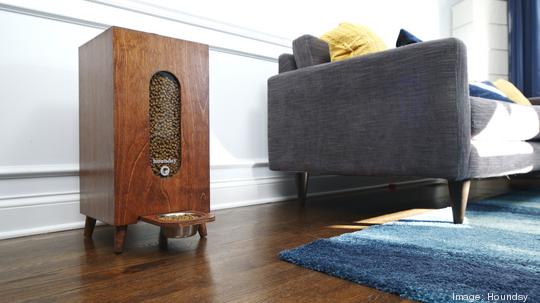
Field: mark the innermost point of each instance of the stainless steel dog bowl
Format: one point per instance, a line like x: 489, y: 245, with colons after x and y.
x: 179, y: 231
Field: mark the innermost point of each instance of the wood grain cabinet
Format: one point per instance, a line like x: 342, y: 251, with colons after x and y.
x: 143, y: 128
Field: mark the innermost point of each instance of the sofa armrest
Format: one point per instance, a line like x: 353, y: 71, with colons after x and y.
x: 404, y: 111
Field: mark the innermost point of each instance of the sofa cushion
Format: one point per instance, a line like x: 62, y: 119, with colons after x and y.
x: 500, y: 158
x: 502, y: 121
x: 286, y: 63
x: 350, y: 40
x: 309, y: 50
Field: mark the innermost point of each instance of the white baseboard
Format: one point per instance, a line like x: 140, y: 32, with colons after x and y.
x: 39, y: 218
x: 27, y: 213
x: 41, y: 230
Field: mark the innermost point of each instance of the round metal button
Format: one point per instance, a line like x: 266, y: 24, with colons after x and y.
x: 165, y: 171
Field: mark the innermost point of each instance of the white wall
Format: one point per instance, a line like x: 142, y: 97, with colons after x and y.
x: 482, y: 25
x: 39, y: 90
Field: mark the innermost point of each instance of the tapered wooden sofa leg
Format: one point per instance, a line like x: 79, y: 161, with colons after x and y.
x: 302, y: 186
x: 459, y: 194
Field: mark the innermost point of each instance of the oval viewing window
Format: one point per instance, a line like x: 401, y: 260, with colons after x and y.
x: 165, y: 123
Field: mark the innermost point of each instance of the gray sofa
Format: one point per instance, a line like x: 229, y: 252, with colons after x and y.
x: 400, y: 112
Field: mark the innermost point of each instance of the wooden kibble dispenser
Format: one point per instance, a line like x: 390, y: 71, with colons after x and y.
x: 143, y: 131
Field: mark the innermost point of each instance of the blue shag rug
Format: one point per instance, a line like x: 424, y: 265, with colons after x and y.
x: 493, y: 257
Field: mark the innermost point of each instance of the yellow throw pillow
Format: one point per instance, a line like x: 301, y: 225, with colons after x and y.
x: 350, y: 40
x: 512, y: 92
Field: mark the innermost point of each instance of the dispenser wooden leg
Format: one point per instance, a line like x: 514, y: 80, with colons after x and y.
x: 89, y: 226
x: 120, y: 238
x: 202, y: 230
x: 163, y: 241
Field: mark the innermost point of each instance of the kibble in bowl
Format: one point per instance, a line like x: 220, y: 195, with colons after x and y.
x: 178, y: 217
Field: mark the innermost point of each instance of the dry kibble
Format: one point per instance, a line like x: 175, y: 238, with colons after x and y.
x: 165, y: 132
x: 177, y: 218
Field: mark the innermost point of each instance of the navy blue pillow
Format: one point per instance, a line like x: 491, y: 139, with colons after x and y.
x: 487, y: 90
x: 405, y: 38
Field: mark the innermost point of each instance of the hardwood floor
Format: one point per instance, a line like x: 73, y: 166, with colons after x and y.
x: 236, y: 263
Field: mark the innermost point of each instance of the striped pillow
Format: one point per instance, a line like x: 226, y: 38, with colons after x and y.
x: 487, y: 90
